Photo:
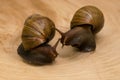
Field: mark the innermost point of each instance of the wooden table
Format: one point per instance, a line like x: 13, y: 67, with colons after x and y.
x: 103, y: 64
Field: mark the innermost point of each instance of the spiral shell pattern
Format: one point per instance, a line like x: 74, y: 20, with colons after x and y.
x: 88, y: 15
x: 37, y: 30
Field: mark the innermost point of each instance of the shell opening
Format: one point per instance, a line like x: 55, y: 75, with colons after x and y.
x: 84, y: 25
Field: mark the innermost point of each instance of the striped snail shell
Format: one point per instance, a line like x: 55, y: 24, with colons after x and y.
x: 88, y: 15
x: 37, y: 30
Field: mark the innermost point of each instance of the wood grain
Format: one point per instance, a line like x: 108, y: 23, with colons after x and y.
x: 104, y: 64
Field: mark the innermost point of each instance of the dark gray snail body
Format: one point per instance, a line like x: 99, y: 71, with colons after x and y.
x: 37, y: 32
x: 86, y: 22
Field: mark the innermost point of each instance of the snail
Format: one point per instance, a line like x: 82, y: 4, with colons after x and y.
x: 37, y: 32
x: 86, y: 22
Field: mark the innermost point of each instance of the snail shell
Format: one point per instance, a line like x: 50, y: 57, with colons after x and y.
x: 37, y: 30
x: 88, y: 15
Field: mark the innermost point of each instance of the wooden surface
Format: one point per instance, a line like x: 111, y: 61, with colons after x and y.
x: 103, y: 64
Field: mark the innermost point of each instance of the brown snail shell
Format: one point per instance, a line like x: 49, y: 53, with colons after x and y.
x: 37, y: 30
x: 88, y: 15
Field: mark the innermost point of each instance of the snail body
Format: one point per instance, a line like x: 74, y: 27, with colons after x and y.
x: 44, y: 54
x: 86, y: 22
x: 37, y: 32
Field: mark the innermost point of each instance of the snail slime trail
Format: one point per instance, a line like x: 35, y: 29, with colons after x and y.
x: 37, y: 32
x: 86, y: 22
